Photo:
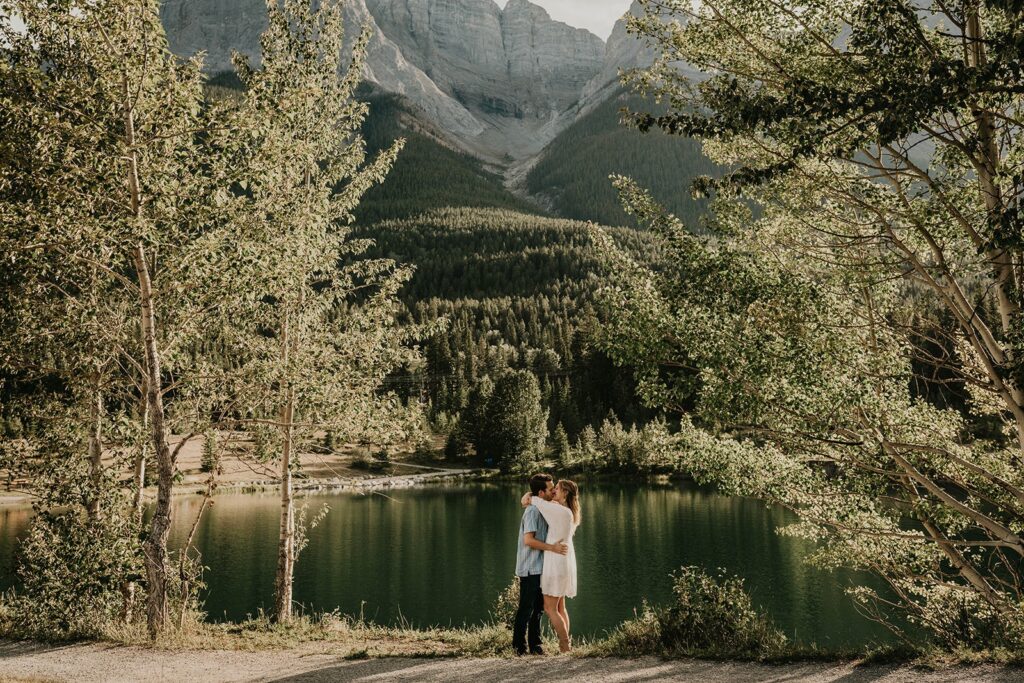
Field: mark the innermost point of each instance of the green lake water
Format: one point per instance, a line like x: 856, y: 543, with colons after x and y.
x: 441, y: 555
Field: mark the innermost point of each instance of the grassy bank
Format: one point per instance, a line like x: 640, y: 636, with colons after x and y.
x: 351, y: 638
x: 710, y: 617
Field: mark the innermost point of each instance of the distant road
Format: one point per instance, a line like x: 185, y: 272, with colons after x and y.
x: 109, y: 663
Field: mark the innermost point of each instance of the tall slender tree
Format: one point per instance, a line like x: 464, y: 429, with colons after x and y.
x: 108, y: 218
x: 317, y: 332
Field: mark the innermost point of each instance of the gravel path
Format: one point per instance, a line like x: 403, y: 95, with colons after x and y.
x: 88, y: 663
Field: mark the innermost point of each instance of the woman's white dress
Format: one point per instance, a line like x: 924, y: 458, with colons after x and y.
x: 559, y: 575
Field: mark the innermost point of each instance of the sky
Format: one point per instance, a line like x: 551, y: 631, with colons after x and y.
x: 597, y: 16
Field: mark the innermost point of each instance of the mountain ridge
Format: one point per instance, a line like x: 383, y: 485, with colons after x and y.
x: 502, y: 82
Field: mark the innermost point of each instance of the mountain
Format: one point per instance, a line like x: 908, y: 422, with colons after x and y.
x: 570, y: 177
x: 483, y: 92
x: 497, y: 80
x: 622, y: 52
x: 430, y: 173
x: 515, y: 69
x: 218, y: 27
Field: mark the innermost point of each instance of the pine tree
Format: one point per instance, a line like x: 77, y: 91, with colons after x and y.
x: 516, y: 421
x: 560, y: 446
x: 210, y: 460
x: 473, y: 423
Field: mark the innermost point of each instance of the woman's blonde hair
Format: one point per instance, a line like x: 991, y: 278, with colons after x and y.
x: 572, y: 498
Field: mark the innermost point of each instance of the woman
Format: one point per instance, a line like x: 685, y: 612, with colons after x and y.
x: 558, y: 580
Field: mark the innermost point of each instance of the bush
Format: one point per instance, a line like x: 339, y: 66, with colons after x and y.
x: 72, y: 571
x: 712, y: 616
x: 716, y: 614
x: 503, y: 612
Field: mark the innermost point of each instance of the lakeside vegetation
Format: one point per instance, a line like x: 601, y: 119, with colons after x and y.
x: 884, y: 154
x: 711, y: 618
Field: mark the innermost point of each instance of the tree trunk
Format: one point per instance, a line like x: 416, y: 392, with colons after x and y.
x: 155, y: 548
x: 128, y: 591
x: 286, y: 543
x: 1001, y: 257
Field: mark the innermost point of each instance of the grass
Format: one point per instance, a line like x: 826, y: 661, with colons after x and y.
x: 355, y: 639
x: 331, y: 633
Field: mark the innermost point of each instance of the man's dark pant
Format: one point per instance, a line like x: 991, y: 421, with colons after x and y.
x: 531, y: 606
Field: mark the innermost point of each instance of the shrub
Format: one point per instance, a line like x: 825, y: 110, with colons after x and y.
x: 503, y: 612
x: 716, y: 614
x: 711, y: 616
x: 72, y: 571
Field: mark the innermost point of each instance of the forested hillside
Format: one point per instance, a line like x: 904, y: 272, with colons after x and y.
x: 572, y: 175
x: 428, y: 174
x: 517, y: 293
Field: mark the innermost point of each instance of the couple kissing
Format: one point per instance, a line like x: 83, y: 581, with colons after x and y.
x: 546, y: 562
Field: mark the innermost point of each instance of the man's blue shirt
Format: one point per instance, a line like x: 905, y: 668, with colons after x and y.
x: 529, y: 561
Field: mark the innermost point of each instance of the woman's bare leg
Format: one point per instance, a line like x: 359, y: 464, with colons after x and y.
x: 565, y: 617
x: 557, y: 623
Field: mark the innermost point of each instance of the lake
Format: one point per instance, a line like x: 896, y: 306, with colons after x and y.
x: 441, y: 555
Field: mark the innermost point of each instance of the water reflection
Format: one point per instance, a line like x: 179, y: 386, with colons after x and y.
x: 441, y: 555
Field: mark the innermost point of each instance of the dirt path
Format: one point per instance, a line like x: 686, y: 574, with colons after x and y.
x: 89, y: 663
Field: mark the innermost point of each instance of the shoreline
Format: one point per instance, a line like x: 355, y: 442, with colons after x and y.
x: 371, y: 482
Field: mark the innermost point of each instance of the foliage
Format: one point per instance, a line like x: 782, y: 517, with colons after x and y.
x: 712, y: 616
x: 880, y: 143
x: 72, y: 571
x: 316, y: 331
x: 111, y: 210
x: 503, y: 612
x: 514, y: 428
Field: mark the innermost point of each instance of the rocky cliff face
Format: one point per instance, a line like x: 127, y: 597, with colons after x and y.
x: 515, y: 62
x: 502, y: 82
x: 515, y: 69
x: 217, y: 27
x: 623, y: 51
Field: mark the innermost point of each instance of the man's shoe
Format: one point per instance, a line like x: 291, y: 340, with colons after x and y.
x: 520, y: 653
x: 537, y: 651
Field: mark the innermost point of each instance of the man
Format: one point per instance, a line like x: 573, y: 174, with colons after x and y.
x: 533, y: 533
